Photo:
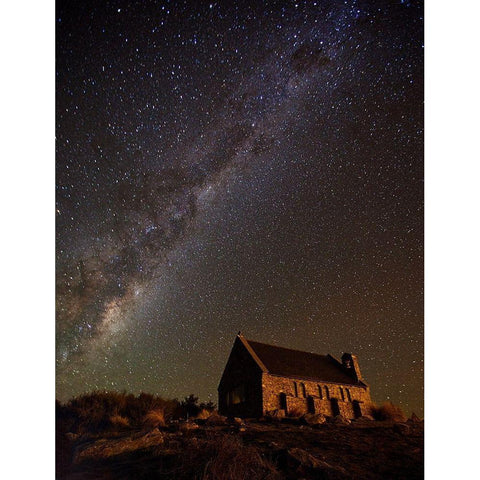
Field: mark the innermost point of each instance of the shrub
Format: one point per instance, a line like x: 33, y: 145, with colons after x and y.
x: 388, y: 411
x: 204, y: 414
x: 189, y: 406
x: 98, y: 411
x: 119, y: 421
x: 154, y: 418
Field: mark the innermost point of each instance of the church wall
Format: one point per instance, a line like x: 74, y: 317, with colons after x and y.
x: 274, y: 385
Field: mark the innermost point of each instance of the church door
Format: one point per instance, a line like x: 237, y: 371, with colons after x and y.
x: 310, y: 405
x: 335, y: 408
x: 357, y: 411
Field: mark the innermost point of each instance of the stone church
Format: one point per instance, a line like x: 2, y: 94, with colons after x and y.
x: 259, y: 379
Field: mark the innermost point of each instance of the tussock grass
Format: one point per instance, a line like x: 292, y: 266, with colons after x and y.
x: 224, y: 457
x: 119, y: 421
x: 203, y: 414
x: 110, y: 411
x: 154, y: 418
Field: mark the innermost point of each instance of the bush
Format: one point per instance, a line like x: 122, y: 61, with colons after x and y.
x: 388, y: 411
x: 203, y: 414
x: 103, y: 411
x: 154, y: 418
x: 117, y: 421
x: 189, y: 407
x: 100, y: 411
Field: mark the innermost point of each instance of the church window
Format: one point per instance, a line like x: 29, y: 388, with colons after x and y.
x: 236, y: 396
x: 348, y: 395
x: 320, y: 393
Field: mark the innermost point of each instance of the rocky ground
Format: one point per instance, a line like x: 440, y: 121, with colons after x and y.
x: 217, y: 448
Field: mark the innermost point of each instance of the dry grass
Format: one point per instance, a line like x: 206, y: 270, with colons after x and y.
x: 203, y: 414
x: 388, y: 411
x: 103, y: 411
x: 119, y: 421
x: 154, y: 418
x: 225, y: 457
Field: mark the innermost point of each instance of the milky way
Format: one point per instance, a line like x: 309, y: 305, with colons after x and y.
x: 253, y: 166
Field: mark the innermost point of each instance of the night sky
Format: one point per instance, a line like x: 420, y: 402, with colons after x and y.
x: 226, y: 166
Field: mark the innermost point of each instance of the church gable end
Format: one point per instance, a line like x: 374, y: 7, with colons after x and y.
x: 240, y: 388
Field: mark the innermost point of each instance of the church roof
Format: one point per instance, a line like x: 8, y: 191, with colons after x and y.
x: 297, y: 364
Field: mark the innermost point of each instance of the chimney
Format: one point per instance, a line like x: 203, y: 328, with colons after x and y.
x: 350, y: 363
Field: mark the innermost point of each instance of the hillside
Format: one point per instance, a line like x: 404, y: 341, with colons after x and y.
x: 218, y: 448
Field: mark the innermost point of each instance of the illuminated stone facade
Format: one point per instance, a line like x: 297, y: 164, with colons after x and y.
x: 260, y: 379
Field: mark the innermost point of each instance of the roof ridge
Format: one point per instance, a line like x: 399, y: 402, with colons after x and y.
x: 286, y: 348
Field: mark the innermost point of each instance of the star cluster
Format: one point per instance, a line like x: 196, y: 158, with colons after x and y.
x: 226, y: 166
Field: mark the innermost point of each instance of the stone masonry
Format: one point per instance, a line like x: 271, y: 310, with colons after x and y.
x: 260, y: 379
x: 296, y: 401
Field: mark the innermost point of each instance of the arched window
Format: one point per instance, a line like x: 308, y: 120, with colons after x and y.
x: 348, y: 395
x: 304, y: 391
x: 320, y: 393
x: 327, y: 392
x: 342, y: 394
x: 295, y: 389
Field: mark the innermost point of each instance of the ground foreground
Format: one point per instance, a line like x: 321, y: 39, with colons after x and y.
x: 217, y: 448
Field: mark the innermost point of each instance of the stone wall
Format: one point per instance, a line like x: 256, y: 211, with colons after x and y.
x: 320, y: 402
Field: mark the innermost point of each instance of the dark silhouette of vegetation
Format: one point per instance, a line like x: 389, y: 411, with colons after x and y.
x: 112, y: 411
x: 191, y: 408
x: 388, y: 411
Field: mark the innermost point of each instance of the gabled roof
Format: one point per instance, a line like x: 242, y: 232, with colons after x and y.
x: 297, y: 364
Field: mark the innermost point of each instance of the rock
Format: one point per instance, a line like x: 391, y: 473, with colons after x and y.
x: 302, y: 463
x: 278, y: 414
x: 364, y: 419
x: 341, y: 420
x: 367, y: 418
x: 274, y: 446
x: 72, y: 436
x: 293, y: 420
x: 415, y: 419
x: 216, y: 420
x: 186, y: 426
x: 401, y: 428
x: 154, y: 432
x: 237, y: 421
x: 314, y: 419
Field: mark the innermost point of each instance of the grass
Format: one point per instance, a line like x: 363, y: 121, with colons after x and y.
x: 111, y: 411
x: 154, y: 418
x: 224, y: 457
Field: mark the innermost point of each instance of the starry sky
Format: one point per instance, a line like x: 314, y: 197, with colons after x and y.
x: 226, y: 166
